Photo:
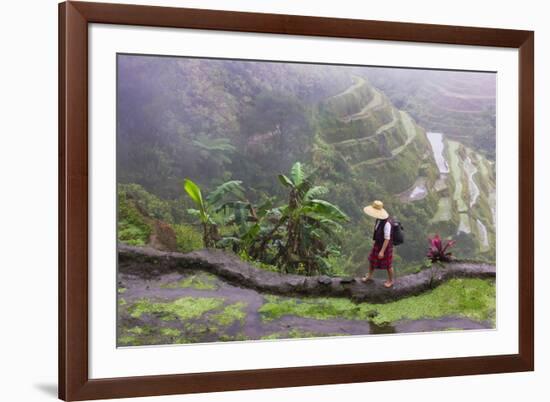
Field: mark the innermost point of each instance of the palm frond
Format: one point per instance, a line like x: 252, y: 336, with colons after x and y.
x: 285, y: 181
x: 325, y: 209
x: 315, y: 192
x: 214, y: 144
x: 297, y: 174
x: 229, y: 187
x: 194, y: 192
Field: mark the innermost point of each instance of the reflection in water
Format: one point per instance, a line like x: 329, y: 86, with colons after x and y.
x: 471, y: 170
x: 438, y: 146
x: 429, y: 325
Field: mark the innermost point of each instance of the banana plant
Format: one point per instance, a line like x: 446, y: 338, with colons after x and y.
x: 206, y: 207
x: 256, y: 228
x: 309, y: 220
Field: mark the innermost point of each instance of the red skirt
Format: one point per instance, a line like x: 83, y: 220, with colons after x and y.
x: 381, y: 263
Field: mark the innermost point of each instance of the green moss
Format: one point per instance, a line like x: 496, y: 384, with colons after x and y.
x: 122, y: 290
x: 171, y: 332
x: 184, y: 308
x: 296, y: 333
x: 139, y: 330
x: 147, y: 335
x: 469, y: 298
x: 199, y: 328
x: 317, y: 308
x: 201, y: 281
x: 127, y: 340
x: 122, y: 302
x: 230, y: 314
x: 229, y: 338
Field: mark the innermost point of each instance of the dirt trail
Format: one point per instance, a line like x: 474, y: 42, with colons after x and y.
x: 149, y: 263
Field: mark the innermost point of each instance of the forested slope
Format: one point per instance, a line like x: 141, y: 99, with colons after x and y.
x: 216, y: 120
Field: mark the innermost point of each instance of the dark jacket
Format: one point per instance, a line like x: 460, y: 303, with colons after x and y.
x: 378, y: 234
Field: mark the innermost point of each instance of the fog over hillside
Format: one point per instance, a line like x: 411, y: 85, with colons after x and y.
x: 365, y: 132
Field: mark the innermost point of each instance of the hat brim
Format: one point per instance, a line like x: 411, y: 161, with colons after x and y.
x: 376, y: 213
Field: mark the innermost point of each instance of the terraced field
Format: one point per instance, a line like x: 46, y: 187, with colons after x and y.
x: 383, y: 143
x: 364, y: 113
x: 462, y: 105
x: 457, y: 169
x: 444, y: 210
x: 410, y: 131
x: 470, y: 207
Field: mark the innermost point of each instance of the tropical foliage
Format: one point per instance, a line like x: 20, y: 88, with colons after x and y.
x: 438, y: 249
x: 223, y: 121
x: 298, y: 236
x: 207, y: 209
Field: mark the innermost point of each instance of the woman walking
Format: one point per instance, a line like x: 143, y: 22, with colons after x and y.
x: 381, y: 255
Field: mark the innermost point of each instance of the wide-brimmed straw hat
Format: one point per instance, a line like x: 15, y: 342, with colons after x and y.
x: 376, y: 210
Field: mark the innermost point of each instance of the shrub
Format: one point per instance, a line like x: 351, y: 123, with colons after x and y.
x: 438, y: 250
x: 188, y: 238
x: 147, y: 202
x: 132, y: 227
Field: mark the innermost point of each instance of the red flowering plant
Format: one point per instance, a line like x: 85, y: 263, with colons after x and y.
x: 438, y: 250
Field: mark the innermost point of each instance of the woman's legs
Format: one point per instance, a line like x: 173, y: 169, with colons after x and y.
x: 369, y: 276
x: 389, y: 282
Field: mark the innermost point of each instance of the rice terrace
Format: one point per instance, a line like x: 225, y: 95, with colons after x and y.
x: 244, y: 190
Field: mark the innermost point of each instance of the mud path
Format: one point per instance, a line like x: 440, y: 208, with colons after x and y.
x: 148, y: 263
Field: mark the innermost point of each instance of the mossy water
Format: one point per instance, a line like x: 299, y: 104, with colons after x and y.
x: 468, y: 298
x: 178, y: 310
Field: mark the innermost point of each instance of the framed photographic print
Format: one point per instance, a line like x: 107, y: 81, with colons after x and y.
x: 259, y: 200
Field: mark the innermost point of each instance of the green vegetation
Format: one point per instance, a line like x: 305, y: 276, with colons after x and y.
x: 184, y: 320
x: 172, y: 332
x: 444, y: 210
x: 295, y: 333
x: 188, y: 238
x: 297, y: 237
x: 455, y: 165
x: 230, y: 314
x: 199, y: 281
x: 150, y: 335
x: 206, y: 319
x: 208, y: 207
x: 184, y: 308
x: 132, y: 227
x: 458, y: 104
x: 469, y: 298
x: 235, y: 127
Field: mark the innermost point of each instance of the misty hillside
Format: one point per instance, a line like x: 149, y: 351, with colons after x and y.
x: 460, y: 104
x: 362, y: 131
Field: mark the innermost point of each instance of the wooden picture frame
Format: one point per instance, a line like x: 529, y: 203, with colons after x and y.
x: 74, y: 381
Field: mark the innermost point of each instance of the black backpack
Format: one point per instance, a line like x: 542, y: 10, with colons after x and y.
x: 397, y: 232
